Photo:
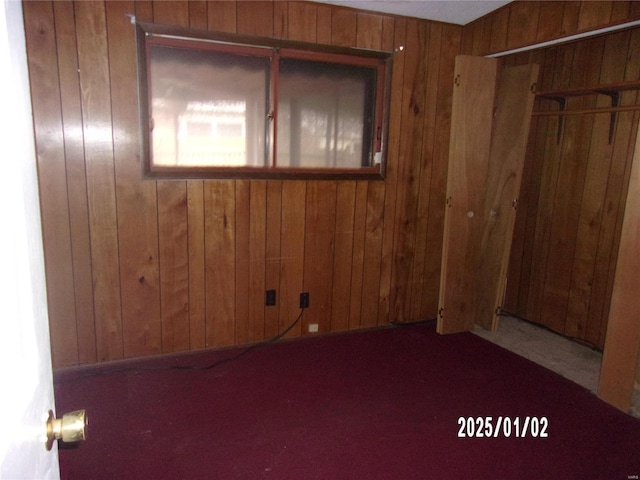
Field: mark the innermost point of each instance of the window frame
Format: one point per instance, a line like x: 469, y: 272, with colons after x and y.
x: 148, y: 34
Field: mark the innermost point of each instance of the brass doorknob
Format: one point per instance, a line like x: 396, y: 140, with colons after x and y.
x: 70, y: 428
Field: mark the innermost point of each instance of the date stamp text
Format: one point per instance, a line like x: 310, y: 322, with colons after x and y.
x: 505, y: 427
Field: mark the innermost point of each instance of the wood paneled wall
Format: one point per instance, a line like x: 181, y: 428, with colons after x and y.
x: 139, y: 267
x: 528, y: 22
x: 573, y: 192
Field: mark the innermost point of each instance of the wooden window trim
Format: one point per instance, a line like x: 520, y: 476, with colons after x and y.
x: 148, y: 34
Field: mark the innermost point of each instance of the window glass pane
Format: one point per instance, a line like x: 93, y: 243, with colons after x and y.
x: 325, y: 115
x: 209, y: 108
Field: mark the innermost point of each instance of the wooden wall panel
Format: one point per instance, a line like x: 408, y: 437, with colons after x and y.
x: 424, y: 179
x: 549, y: 22
x: 521, y: 27
x: 594, y: 14
x: 527, y: 22
x: 344, y: 27
x: 609, y: 234
x: 372, y: 255
x: 357, y: 260
x: 222, y: 15
x: 292, y: 246
x: 219, y: 227
x: 198, y: 14
x: 137, y: 201
x: 76, y: 181
x: 571, y: 16
x: 255, y: 18
x: 342, y: 258
x: 302, y: 21
x: 257, y: 259
x: 391, y: 183
x: 273, y: 254
x: 567, y: 199
x: 542, y: 190
x: 323, y: 24
x: 620, y: 359
x: 138, y: 267
x: 95, y: 89
x: 242, y: 232
x: 449, y: 45
x: 409, y: 162
x: 499, y: 30
x: 619, y: 177
x: 369, y: 206
x: 197, y: 264
x: 319, y: 240
x: 599, y: 164
x: 542, y: 194
x: 49, y: 135
x: 174, y: 265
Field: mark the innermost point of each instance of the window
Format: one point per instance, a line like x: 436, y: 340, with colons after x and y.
x: 225, y: 106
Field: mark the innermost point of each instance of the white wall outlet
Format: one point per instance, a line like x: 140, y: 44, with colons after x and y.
x: 313, y: 327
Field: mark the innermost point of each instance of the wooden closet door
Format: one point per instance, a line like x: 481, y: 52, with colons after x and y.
x: 489, y: 130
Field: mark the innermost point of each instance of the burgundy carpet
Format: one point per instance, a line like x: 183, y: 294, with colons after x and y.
x: 366, y: 405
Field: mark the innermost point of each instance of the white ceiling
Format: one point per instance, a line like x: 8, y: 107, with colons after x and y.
x: 459, y: 12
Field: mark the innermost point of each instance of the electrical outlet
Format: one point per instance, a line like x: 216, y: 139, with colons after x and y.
x: 270, y: 298
x: 313, y: 328
x: 304, y: 300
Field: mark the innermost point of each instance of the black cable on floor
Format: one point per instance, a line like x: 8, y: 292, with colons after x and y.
x: 417, y: 322
x: 186, y: 367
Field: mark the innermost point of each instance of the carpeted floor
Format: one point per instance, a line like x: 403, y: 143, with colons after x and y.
x: 381, y: 404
